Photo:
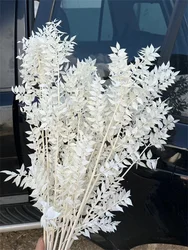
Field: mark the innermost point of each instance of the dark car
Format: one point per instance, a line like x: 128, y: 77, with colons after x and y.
x: 160, y: 198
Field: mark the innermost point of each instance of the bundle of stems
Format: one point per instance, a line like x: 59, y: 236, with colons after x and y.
x: 86, y: 133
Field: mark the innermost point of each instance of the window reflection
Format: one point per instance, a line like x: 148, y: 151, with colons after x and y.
x: 134, y: 24
x: 178, y: 93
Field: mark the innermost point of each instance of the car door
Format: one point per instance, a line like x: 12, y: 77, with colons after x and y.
x: 16, y: 18
x: 8, y: 152
x: 159, y: 197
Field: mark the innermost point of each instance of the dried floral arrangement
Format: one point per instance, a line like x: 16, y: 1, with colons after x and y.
x: 86, y: 135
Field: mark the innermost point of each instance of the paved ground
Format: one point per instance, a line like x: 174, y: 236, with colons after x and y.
x: 26, y: 240
x: 160, y: 247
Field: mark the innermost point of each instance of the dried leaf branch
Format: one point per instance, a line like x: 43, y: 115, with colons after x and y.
x: 86, y: 135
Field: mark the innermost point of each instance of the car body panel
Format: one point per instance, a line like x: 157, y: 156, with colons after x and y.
x: 8, y: 153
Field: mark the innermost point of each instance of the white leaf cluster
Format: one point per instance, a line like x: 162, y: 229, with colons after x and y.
x: 87, y: 135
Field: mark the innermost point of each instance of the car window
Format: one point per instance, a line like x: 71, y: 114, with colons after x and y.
x: 36, y: 6
x: 134, y: 24
x: 98, y: 25
x: 107, y: 28
x: 177, y: 94
x: 150, y: 15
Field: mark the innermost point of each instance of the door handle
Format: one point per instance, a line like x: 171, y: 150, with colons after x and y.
x: 174, y: 158
x: 184, y: 177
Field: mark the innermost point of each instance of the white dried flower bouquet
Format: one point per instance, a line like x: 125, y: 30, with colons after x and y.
x: 86, y: 135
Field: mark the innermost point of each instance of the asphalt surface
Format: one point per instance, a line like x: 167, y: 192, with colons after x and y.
x: 26, y: 240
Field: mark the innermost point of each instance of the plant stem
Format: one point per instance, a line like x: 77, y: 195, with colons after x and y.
x: 51, y: 239
x: 136, y: 160
x: 122, y: 176
x: 63, y: 234
x: 57, y: 146
x: 91, y: 179
x: 66, y: 238
x: 44, y: 237
x: 112, y: 149
x: 47, y: 158
x: 56, y: 239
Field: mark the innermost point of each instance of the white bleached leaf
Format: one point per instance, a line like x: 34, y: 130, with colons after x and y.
x: 152, y: 163
x: 129, y: 202
x: 149, y: 154
x: 114, y: 50
x: 117, y: 208
x: 51, y: 213
x: 142, y: 164
x: 17, y: 180
x: 126, y: 162
x: 8, y: 172
x: 9, y: 178
x: 85, y: 132
x: 86, y: 233
x: 117, y: 46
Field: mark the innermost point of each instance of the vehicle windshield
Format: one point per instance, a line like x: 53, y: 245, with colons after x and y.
x: 99, y: 24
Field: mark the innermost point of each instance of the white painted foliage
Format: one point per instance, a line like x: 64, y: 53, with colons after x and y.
x: 87, y: 135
